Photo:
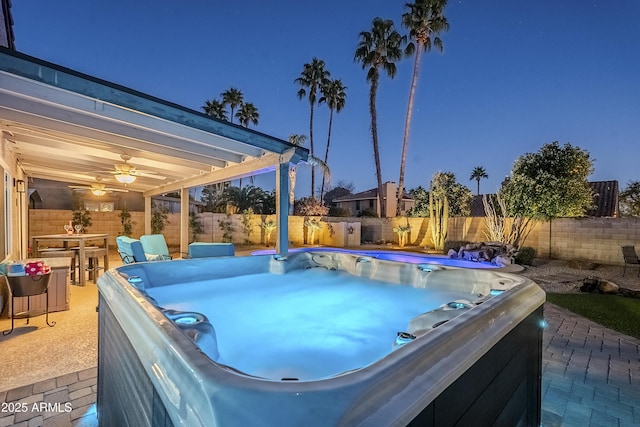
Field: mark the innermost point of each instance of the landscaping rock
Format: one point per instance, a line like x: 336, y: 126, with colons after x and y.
x: 596, y: 285
x: 493, y: 252
x: 608, y: 287
x: 579, y: 264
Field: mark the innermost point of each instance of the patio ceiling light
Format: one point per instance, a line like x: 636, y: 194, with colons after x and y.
x: 98, y: 192
x: 125, y: 178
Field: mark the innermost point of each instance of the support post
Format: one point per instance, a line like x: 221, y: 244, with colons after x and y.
x: 282, y: 208
x: 184, y: 221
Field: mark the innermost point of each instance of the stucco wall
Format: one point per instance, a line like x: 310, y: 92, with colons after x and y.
x: 595, y: 239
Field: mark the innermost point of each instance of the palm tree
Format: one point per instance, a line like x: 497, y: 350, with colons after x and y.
x: 312, y: 78
x: 378, y: 48
x: 478, y: 173
x: 240, y: 199
x: 215, y: 108
x: 297, y: 140
x: 424, y: 20
x: 233, y: 98
x: 248, y: 113
x: 333, y: 93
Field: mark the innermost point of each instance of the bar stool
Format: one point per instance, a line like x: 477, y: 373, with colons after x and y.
x: 92, y: 254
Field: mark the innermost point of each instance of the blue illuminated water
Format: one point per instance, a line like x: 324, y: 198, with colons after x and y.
x: 306, y: 324
x: 411, y: 258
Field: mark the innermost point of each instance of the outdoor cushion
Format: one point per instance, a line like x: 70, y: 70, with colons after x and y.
x: 130, y: 250
x: 204, y: 249
x: 155, y: 247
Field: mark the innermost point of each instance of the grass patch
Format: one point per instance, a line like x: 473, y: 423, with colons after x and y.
x: 615, y: 312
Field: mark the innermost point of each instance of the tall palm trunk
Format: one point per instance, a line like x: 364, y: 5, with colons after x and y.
x: 326, y: 152
x: 374, y: 136
x: 313, y: 169
x: 407, y: 124
x: 292, y: 188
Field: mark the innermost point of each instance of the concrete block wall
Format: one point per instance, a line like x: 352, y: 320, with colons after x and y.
x: 594, y: 239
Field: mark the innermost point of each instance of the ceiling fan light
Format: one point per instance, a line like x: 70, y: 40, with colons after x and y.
x: 98, y: 192
x: 125, y: 178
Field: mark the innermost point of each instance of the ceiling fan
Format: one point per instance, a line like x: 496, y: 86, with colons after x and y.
x: 98, y: 189
x: 126, y: 173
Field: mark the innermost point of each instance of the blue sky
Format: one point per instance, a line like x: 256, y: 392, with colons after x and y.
x: 514, y: 75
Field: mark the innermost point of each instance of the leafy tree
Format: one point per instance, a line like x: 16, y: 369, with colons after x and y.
x: 312, y: 78
x: 551, y: 183
x: 159, y: 216
x: 81, y: 216
x: 269, y: 203
x: 247, y: 224
x: 226, y: 225
x: 215, y: 109
x: 478, y: 173
x: 341, y: 189
x: 195, y: 226
x: 233, y: 98
x: 248, y: 113
x: 308, y: 206
x: 378, y: 49
x: 421, y: 206
x: 333, y: 93
x: 211, y: 195
x: 125, y: 220
x: 459, y: 196
x: 630, y: 199
x: 425, y: 21
x: 240, y: 199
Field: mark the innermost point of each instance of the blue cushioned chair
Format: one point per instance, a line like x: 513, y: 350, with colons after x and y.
x: 155, y: 247
x: 130, y: 250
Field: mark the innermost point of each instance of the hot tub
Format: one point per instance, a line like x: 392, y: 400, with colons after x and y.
x: 317, y: 338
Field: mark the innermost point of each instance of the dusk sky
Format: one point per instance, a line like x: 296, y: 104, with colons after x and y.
x: 514, y: 75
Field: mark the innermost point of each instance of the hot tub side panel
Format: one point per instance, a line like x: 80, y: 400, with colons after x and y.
x: 142, y: 405
x: 502, y: 388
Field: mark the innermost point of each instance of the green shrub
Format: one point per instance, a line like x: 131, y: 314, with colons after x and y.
x: 525, y: 255
x: 368, y: 213
x: 341, y: 212
x: 454, y: 244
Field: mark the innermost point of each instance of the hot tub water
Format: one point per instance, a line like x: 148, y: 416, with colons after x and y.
x: 307, y: 324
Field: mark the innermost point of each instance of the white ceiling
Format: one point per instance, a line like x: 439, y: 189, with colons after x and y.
x: 68, y: 127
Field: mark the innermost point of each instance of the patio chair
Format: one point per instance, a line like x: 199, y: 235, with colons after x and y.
x: 130, y: 250
x: 630, y: 257
x: 155, y: 247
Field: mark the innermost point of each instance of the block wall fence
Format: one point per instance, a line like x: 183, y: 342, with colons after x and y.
x: 593, y: 239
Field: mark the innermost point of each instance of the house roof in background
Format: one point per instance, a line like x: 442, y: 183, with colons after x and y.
x: 365, y: 195
x: 7, y: 38
x: 606, y: 199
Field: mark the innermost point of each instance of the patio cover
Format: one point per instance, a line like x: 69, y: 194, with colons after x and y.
x: 67, y: 126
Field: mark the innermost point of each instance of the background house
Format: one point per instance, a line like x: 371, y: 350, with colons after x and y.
x: 357, y: 203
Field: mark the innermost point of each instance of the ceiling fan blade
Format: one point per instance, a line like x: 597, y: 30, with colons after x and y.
x: 116, y: 189
x: 147, y: 175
